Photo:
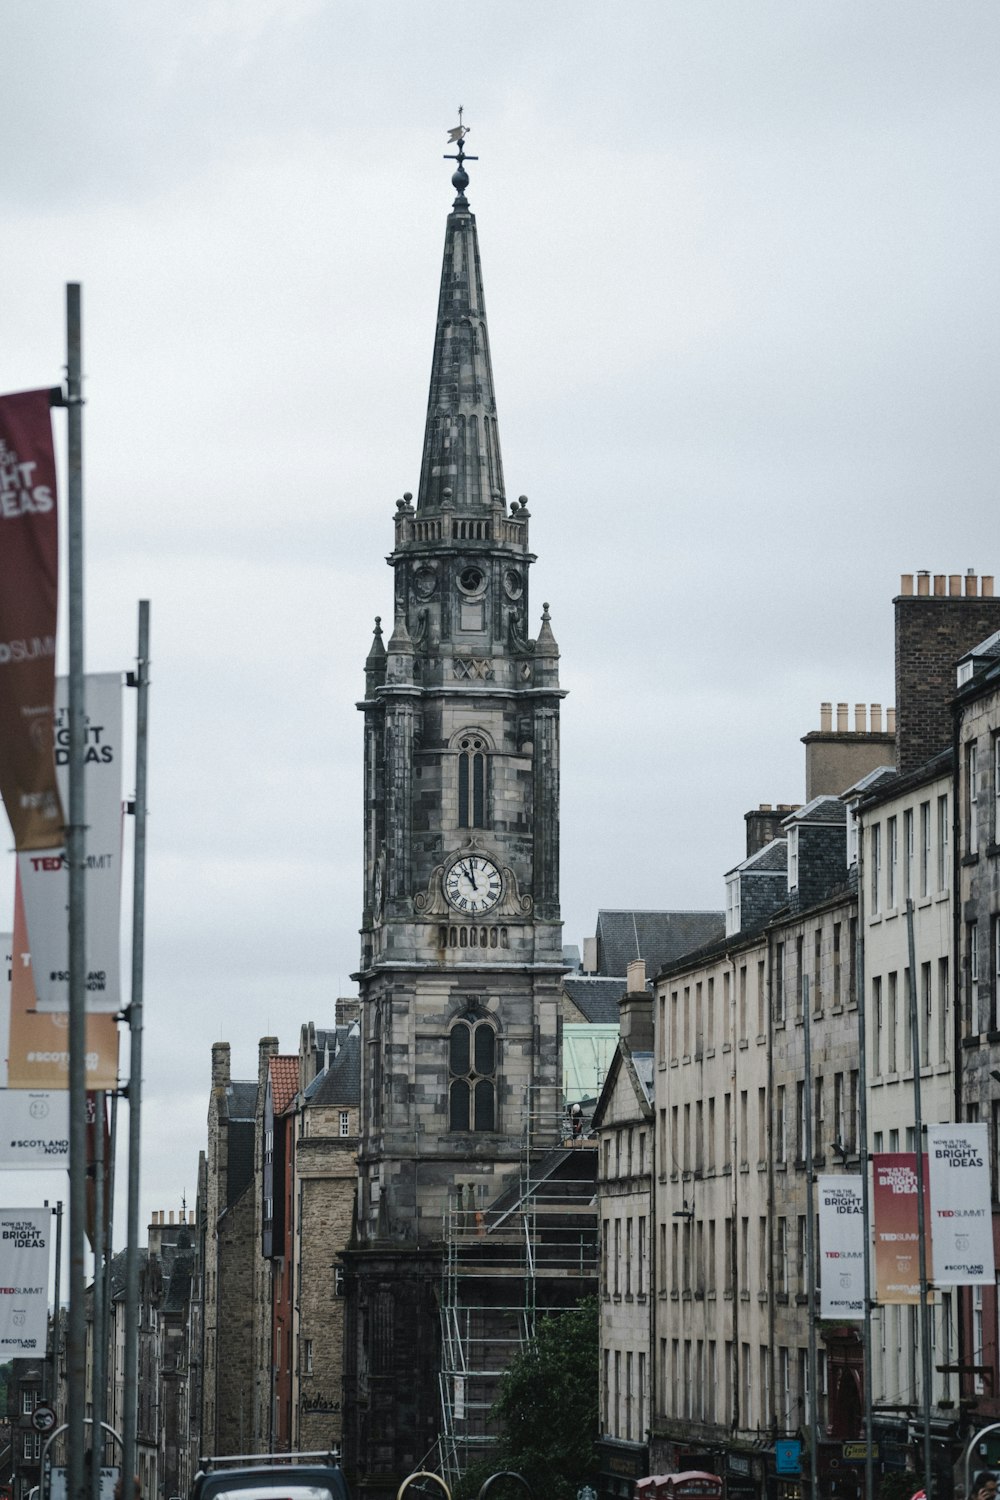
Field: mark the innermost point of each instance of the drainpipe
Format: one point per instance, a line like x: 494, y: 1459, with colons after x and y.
x: 956, y: 990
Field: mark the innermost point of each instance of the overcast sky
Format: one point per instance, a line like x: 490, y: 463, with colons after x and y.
x: 740, y: 265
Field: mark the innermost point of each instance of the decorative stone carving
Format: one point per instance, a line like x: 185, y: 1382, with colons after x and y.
x: 468, y: 668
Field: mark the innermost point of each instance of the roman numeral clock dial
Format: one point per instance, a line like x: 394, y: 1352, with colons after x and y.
x: 473, y: 884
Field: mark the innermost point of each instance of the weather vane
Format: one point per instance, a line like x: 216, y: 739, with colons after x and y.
x: 456, y: 137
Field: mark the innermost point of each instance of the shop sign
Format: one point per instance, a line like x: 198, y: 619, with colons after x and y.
x: 788, y: 1456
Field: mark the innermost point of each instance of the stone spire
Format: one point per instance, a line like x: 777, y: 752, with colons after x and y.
x: 461, y: 440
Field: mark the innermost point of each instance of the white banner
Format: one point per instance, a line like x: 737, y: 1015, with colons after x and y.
x: 961, y: 1215
x: 34, y: 1128
x: 842, y: 1247
x: 24, y: 1280
x: 45, y: 876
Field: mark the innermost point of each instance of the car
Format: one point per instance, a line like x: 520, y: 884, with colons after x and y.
x: 271, y: 1476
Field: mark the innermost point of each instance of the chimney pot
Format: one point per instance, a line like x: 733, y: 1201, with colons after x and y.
x: 841, y: 718
x: 987, y: 582
x: 971, y: 585
x: 939, y: 584
x: 954, y: 584
x: 860, y: 718
x: 876, y: 720
x: 825, y: 718
x: 635, y: 979
x: 906, y: 583
x: 923, y: 583
x: 890, y: 721
x: 765, y: 807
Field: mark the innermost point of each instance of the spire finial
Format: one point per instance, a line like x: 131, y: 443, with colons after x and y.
x: 460, y: 178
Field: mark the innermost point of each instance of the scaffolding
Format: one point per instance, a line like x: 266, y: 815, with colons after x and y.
x: 531, y: 1251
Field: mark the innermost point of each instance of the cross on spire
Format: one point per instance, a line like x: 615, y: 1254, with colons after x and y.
x: 460, y: 178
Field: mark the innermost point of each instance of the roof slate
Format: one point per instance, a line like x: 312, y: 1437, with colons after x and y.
x: 241, y: 1099
x: 340, y: 1085
x: 595, y: 998
x: 772, y: 857
x: 659, y: 937
x: 819, y: 810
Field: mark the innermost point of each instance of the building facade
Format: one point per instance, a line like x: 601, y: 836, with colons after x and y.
x: 624, y: 1122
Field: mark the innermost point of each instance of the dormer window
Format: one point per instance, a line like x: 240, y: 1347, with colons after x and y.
x: 793, y: 858
x: 733, y: 917
x: 852, y: 834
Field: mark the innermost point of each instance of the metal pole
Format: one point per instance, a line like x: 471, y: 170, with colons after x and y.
x: 139, y: 680
x: 918, y: 1131
x: 56, y: 1324
x: 810, y: 1249
x: 46, y: 1367
x: 108, y: 1254
x: 866, y: 1327
x: 99, y: 1354
x: 76, y: 855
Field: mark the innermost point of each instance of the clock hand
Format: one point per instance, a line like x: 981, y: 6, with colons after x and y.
x: 470, y: 871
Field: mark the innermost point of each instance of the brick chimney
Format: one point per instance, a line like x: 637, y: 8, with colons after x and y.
x: 937, y: 621
x: 764, y: 824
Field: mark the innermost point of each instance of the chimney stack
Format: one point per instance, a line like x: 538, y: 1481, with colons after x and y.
x: 933, y: 630
x: 635, y: 1009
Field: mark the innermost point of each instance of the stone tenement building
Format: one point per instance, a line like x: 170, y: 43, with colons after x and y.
x: 461, y: 934
x: 712, y: 1229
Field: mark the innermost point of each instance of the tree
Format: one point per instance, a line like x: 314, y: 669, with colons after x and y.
x: 547, y: 1404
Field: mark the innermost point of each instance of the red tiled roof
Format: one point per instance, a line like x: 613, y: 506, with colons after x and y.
x: 284, y: 1081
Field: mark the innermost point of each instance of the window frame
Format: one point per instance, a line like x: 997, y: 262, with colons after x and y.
x: 479, y: 1083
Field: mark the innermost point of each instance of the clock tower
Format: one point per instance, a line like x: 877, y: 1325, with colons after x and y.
x: 461, y: 938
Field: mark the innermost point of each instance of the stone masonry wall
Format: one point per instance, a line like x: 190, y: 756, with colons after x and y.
x: 237, y: 1242
x: 327, y: 1172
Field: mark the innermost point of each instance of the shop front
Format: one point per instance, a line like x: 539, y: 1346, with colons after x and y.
x: 620, y: 1465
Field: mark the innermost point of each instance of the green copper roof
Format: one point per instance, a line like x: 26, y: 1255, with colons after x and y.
x: 587, y: 1054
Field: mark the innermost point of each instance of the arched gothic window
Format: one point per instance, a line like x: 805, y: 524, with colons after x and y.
x: 472, y: 1065
x: 473, y: 777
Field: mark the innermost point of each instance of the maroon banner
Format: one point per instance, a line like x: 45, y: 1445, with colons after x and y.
x: 29, y: 553
x: 897, y: 1241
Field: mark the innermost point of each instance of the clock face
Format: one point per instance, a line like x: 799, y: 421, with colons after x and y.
x: 473, y: 884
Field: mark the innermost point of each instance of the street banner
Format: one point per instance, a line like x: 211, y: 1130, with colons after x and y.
x: 29, y: 573
x: 34, y: 1128
x: 894, y: 1204
x: 961, y: 1213
x: 45, y: 876
x: 37, y: 1044
x: 842, y: 1247
x: 24, y: 1280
